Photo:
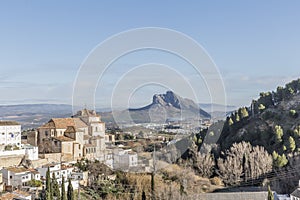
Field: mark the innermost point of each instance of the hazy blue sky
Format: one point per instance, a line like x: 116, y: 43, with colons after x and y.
x: 255, y: 44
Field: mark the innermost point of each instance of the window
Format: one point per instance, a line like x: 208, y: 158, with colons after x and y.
x: 3, y: 133
x: 46, y: 133
x: 10, y: 177
x: 79, y: 146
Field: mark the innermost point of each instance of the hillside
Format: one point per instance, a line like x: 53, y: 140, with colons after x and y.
x: 34, y: 115
x: 271, y: 121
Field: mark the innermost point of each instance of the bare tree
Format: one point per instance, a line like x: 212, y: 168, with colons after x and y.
x: 243, y: 162
x: 204, y: 164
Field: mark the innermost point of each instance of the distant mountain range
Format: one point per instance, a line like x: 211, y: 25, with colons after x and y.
x: 34, y: 115
x: 168, y: 106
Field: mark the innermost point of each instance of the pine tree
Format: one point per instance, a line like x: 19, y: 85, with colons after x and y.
x: 230, y: 121
x: 55, y: 187
x: 48, y: 186
x: 292, y: 144
x: 70, y: 194
x: 278, y: 134
x: 244, y: 112
x: 63, y: 190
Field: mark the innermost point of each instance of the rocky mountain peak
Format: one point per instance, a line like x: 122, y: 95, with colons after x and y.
x: 167, y: 99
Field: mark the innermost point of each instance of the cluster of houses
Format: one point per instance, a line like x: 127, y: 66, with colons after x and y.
x: 56, y: 145
x: 60, y: 143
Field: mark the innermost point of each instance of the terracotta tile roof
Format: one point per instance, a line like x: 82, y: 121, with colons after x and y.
x: 72, y: 129
x: 34, y: 171
x: 8, y: 123
x: 49, y: 124
x: 64, y: 167
x: 17, y: 169
x: 63, y: 123
x: 63, y: 139
x: 8, y: 196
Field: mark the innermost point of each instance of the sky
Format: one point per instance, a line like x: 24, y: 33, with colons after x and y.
x: 254, y: 44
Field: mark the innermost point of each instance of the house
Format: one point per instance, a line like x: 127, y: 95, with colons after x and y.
x: 10, y: 133
x: 11, y: 149
x: 124, y: 159
x: 19, y: 176
x: 31, y: 152
x: 82, y: 177
x: 80, y: 136
x: 57, y: 170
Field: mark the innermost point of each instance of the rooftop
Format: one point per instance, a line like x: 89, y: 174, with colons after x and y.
x: 17, y: 169
x: 9, y: 123
x: 64, y: 123
x: 63, y: 139
x: 50, y: 165
x: 72, y: 129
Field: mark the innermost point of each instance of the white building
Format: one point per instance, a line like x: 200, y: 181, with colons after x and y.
x: 10, y: 133
x: 19, y: 176
x: 31, y: 152
x: 124, y: 159
x: 61, y: 171
x: 56, y: 169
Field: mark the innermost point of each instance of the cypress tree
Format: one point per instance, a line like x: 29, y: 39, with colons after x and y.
x: 63, y: 190
x: 55, y: 187
x: 70, y: 194
x: 143, y: 195
x: 152, y: 185
x: 48, y: 186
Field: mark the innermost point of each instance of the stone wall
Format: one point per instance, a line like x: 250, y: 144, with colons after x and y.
x: 7, y: 161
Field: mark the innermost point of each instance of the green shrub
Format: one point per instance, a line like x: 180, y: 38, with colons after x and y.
x: 293, y: 113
